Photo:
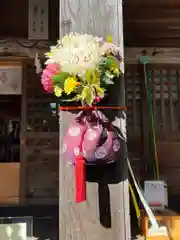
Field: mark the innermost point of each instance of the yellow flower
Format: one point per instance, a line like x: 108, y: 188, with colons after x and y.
x: 49, y: 54
x: 58, y: 91
x: 70, y: 85
x: 116, y: 71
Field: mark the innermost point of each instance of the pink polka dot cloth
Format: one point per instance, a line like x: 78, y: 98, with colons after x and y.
x: 91, y: 135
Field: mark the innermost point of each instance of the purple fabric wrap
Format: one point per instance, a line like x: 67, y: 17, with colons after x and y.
x: 91, y: 135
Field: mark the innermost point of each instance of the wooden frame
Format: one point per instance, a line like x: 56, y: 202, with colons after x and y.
x: 10, y: 172
x: 23, y: 153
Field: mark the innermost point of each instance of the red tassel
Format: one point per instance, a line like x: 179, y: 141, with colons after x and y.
x: 80, y: 184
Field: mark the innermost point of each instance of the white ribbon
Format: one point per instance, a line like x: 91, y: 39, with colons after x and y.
x: 148, y: 210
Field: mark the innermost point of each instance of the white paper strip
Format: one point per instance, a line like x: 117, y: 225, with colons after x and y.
x: 155, y: 229
x: 149, y: 212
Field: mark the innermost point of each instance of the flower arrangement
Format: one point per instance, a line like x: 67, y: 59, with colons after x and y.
x: 80, y: 67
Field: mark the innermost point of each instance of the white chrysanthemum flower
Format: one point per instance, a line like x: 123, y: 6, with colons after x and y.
x: 76, y: 53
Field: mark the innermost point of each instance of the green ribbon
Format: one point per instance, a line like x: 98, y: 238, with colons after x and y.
x: 150, y: 108
x: 144, y: 61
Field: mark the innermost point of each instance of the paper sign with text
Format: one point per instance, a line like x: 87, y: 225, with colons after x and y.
x: 14, y: 231
x: 156, y: 193
x: 10, y: 80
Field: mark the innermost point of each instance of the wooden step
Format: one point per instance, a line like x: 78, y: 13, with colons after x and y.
x: 165, y: 217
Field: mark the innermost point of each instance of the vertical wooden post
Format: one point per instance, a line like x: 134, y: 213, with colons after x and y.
x: 105, y: 214
x: 23, y: 149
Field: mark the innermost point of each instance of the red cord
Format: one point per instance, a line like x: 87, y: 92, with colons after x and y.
x: 80, y: 175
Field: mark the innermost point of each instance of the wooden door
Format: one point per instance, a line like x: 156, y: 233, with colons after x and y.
x: 39, y: 141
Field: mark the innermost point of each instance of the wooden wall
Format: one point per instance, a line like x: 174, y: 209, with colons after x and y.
x: 39, y: 139
x: 165, y: 85
x: 152, y: 23
x: 14, y: 18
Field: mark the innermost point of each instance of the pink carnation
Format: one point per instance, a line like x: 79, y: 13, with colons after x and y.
x: 52, y: 68
x: 47, y: 84
x: 46, y: 80
x: 47, y: 75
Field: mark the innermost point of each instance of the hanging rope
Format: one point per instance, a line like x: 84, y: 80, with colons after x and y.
x: 144, y: 61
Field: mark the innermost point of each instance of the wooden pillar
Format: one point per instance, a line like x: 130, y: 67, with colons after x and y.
x: 105, y: 214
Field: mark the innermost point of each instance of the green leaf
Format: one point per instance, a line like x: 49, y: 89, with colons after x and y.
x: 91, y: 77
x: 103, y: 62
x: 107, y: 79
x: 83, y: 94
x: 56, y: 78
x: 88, y: 95
x: 108, y: 62
x: 79, y: 89
x: 60, y: 77
x: 112, y: 61
x: 109, y: 75
x: 77, y: 98
x: 67, y: 100
x: 100, y: 91
x: 74, y: 99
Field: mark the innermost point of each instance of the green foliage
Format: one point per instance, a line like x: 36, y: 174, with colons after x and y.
x: 88, y: 95
x: 60, y: 78
x: 93, y: 84
x: 100, y: 91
